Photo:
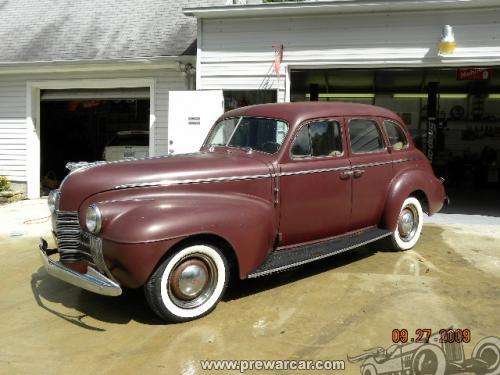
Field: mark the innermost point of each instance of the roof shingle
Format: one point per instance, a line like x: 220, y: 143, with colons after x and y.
x: 59, y: 30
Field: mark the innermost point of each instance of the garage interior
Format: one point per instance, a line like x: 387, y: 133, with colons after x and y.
x: 460, y: 107
x: 78, y: 125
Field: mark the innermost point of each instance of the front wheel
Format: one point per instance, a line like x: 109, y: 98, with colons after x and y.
x: 410, y: 221
x: 188, y: 284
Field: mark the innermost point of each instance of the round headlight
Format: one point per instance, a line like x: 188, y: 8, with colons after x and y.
x: 93, y: 219
x: 53, y: 200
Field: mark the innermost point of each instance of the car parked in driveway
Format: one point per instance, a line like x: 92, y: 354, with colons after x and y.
x: 127, y: 144
x: 273, y: 187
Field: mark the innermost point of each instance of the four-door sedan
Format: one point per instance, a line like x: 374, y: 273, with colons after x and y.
x: 274, y: 186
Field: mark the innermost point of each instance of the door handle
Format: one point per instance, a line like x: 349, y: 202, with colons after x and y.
x: 358, y: 173
x: 346, y: 175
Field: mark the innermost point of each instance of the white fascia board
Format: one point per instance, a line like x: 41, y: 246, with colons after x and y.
x: 150, y: 63
x: 339, y: 6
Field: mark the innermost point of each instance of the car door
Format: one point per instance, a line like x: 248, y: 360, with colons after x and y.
x: 315, y: 189
x: 372, y: 171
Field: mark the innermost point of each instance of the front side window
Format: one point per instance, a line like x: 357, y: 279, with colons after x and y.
x: 255, y: 133
x: 319, y: 138
x: 397, y: 137
x: 302, y: 143
x: 365, y: 136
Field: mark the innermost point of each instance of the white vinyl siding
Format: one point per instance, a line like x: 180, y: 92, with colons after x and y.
x: 164, y: 84
x: 13, y: 130
x: 237, y: 54
x: 13, y: 124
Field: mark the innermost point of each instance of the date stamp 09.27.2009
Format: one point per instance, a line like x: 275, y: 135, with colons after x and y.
x: 422, y: 335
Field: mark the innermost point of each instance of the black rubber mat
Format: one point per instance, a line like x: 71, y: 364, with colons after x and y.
x: 283, y: 259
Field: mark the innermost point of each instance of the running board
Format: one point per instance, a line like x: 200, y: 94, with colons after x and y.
x: 280, y: 260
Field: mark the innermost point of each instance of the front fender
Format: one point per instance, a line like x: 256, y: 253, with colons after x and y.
x: 406, y: 183
x: 247, y: 223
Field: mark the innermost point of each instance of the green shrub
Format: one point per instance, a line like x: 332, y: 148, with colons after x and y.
x: 4, y: 183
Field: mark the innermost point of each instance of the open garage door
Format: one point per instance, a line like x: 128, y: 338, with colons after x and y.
x: 191, y: 115
x: 452, y: 113
x: 91, y: 125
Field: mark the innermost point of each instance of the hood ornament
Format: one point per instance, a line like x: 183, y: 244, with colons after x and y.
x: 76, y: 166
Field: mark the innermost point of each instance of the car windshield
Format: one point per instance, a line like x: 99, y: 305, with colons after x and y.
x: 255, y: 133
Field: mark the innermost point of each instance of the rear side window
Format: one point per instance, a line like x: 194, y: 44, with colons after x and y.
x: 396, y: 135
x: 319, y: 138
x: 365, y: 136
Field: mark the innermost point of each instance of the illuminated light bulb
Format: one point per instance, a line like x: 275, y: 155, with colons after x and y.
x: 447, y: 43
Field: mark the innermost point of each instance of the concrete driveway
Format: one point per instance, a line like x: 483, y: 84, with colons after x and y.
x: 328, y: 310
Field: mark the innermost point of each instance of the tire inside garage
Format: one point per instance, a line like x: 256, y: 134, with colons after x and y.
x: 78, y: 125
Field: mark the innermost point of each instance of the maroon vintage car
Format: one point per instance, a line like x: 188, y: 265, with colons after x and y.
x: 273, y: 187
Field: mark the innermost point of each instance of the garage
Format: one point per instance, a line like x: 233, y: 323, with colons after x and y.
x: 436, y: 63
x: 452, y: 113
x: 91, y: 125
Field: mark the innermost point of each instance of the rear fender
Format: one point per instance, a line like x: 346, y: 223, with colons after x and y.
x: 407, y: 183
x: 247, y: 223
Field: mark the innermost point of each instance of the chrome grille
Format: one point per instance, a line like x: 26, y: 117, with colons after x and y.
x: 68, y: 233
x: 93, y: 245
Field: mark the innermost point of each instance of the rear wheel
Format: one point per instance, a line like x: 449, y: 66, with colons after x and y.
x: 409, y: 225
x: 488, y: 351
x: 188, y: 284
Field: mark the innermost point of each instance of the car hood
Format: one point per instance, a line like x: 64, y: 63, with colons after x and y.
x: 199, y: 167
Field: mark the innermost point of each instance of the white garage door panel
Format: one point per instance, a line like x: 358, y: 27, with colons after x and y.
x: 190, y: 117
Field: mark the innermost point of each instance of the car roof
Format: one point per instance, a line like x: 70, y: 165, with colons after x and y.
x: 297, y: 112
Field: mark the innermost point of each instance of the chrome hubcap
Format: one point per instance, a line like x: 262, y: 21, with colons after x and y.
x: 192, y: 281
x: 408, y: 223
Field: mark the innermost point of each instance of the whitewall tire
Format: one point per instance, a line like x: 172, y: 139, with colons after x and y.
x: 409, y: 225
x: 188, y: 284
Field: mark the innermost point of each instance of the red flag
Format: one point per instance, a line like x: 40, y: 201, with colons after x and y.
x: 278, y: 57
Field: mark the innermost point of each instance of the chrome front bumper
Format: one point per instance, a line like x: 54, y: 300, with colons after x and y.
x: 92, y: 280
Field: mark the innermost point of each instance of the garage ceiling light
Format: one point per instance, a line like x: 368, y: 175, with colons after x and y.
x: 344, y: 95
x: 424, y: 96
x: 494, y: 96
x: 409, y: 96
x: 453, y: 96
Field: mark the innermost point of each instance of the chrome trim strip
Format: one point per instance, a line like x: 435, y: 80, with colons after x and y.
x: 401, y: 160
x: 283, y: 268
x: 92, y: 280
x: 376, y: 164
x: 195, y: 181
x: 253, y: 177
x: 314, y: 171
